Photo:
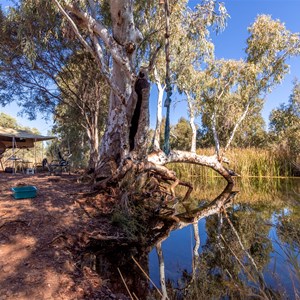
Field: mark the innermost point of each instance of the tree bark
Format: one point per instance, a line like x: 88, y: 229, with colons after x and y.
x: 125, y: 136
x: 115, y: 146
x: 157, y: 132
x: 176, y: 156
x: 93, y: 135
x: 162, y: 274
x: 192, y: 123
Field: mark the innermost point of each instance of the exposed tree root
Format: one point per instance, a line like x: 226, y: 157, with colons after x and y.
x: 150, y: 179
x: 139, y: 180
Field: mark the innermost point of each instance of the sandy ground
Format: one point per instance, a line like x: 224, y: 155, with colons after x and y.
x: 41, y: 241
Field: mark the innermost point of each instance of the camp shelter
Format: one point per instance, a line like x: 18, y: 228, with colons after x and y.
x: 18, y: 139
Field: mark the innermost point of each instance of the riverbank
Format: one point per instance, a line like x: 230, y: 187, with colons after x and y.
x: 42, y: 239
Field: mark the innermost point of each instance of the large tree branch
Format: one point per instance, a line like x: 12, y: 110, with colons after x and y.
x: 239, y: 121
x: 176, y: 156
x: 75, y: 28
x: 111, y: 44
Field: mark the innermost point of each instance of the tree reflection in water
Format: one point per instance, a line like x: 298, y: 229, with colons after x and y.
x: 229, y: 265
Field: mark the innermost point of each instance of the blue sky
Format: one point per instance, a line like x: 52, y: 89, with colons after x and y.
x: 228, y: 44
x: 232, y: 42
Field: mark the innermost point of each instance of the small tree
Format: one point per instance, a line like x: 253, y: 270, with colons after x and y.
x: 231, y: 90
x: 7, y: 121
x: 45, y: 71
x: 285, y: 125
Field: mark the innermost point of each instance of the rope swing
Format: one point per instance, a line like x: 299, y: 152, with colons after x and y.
x: 168, y: 79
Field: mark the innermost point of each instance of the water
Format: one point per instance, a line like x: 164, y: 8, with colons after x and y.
x: 219, y: 245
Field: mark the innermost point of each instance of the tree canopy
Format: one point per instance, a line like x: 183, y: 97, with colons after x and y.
x: 67, y: 57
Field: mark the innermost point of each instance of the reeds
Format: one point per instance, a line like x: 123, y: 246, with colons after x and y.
x: 248, y: 162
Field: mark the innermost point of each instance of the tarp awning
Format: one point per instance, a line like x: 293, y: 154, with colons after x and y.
x: 21, y: 138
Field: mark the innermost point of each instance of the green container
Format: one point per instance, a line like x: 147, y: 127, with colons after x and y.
x: 24, y: 192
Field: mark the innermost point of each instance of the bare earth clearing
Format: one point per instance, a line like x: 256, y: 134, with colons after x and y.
x: 42, y: 239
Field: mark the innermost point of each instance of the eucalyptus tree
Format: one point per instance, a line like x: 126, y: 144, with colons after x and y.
x: 42, y: 67
x: 269, y: 46
x: 8, y: 121
x: 112, y: 32
x: 124, y: 142
x: 189, y: 45
x: 231, y: 90
x: 251, y: 132
x: 285, y: 124
x: 191, y: 83
x: 30, y: 58
x: 213, y: 95
x: 84, y: 101
x: 181, y: 135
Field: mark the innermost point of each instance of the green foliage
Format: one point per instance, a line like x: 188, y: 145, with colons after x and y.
x: 47, y: 72
x: 130, y: 224
x: 228, y: 94
x: 32, y: 51
x: 250, y: 133
x: 247, y: 162
x: 81, y: 115
x: 269, y: 44
x: 7, y: 121
x: 181, y: 135
x: 285, y: 126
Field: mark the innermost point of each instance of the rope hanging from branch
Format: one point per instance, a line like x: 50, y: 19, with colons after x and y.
x: 168, y: 78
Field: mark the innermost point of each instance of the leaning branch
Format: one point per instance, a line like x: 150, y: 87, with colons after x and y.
x: 239, y: 121
x: 75, y: 28
x: 176, y: 156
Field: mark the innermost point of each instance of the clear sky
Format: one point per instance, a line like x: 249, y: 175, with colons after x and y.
x: 232, y: 42
x: 228, y: 44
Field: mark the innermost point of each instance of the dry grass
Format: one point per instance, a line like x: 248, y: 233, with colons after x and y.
x: 247, y: 162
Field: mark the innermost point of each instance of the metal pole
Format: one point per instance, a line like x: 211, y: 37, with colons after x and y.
x: 13, y: 156
x: 34, y: 154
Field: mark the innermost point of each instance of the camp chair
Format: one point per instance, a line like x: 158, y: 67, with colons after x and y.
x: 58, y: 165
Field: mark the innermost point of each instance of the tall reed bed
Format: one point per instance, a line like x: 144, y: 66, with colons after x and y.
x: 245, y: 161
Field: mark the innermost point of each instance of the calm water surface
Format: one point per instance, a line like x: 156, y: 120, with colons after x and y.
x: 240, y: 242
x: 251, y: 249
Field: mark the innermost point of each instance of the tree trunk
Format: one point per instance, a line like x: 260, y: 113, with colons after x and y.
x: 124, y: 143
x: 115, y: 141
x: 94, y: 147
x: 192, y: 123
x: 156, y: 138
x: 162, y: 275
x: 128, y: 116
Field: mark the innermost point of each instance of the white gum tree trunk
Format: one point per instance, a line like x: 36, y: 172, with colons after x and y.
x: 162, y: 276
x: 93, y: 135
x: 127, y: 123
x: 176, y: 156
x: 115, y: 144
x: 160, y: 88
x: 192, y: 122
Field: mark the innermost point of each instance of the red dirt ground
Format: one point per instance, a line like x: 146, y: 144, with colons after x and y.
x: 41, y: 240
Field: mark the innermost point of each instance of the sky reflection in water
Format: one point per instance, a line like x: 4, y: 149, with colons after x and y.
x: 267, y: 220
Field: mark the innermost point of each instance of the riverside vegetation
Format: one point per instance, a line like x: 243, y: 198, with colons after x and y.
x: 247, y: 162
